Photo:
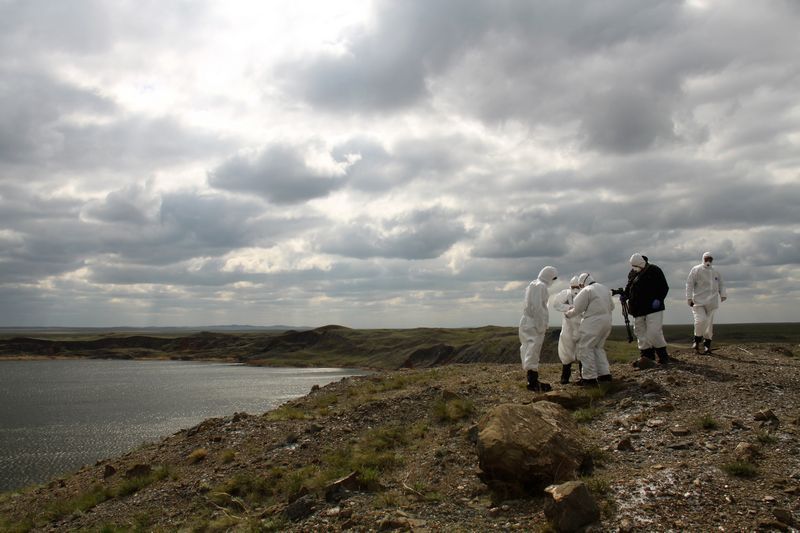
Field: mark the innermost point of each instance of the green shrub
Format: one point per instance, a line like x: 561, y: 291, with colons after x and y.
x: 765, y: 437
x: 247, y: 487
x: 707, y: 422
x: 740, y: 469
x: 227, y: 456
x: 587, y: 414
x: 452, y: 410
x: 288, y: 412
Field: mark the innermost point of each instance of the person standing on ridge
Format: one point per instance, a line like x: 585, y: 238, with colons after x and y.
x: 647, y: 287
x: 568, y: 339
x: 704, y: 291
x: 594, y: 305
x: 533, y: 326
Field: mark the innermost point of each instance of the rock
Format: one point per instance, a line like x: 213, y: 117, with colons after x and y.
x: 665, y: 407
x: 566, y: 399
x: 472, y: 434
x: 391, y: 522
x: 449, y: 396
x: 625, y: 402
x: 529, y: 446
x: 772, y: 525
x: 745, y: 451
x: 109, y: 471
x: 625, y: 445
x: 341, y: 488
x: 314, y: 388
x: 679, y: 430
x: 572, y: 506
x: 681, y: 445
x: 139, y: 470
x: 765, y: 415
x: 783, y: 515
x: 650, y: 386
x: 655, y: 422
x: 300, y: 508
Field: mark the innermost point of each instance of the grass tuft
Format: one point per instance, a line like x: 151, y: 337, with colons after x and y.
x: 452, y: 410
x: 765, y: 437
x: 587, y: 414
x: 707, y: 422
x: 740, y: 469
x: 197, y: 455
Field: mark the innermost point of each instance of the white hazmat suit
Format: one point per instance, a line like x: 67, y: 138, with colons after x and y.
x: 594, y: 304
x: 568, y: 339
x: 704, y: 290
x: 533, y: 324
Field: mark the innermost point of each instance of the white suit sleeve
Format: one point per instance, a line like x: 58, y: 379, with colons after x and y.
x: 722, y: 291
x: 579, y: 305
x: 690, y: 285
x: 561, y: 301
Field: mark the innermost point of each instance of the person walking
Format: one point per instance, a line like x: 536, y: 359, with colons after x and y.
x: 594, y: 305
x: 645, y: 292
x: 704, y: 291
x: 533, y: 326
x: 568, y: 338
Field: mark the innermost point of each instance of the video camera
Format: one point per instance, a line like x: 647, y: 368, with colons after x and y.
x: 617, y: 292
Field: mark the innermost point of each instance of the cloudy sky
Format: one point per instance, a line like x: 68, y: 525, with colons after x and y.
x: 390, y: 163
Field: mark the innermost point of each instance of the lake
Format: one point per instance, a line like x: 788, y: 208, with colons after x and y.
x: 58, y: 415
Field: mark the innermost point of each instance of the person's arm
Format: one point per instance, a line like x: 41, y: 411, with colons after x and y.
x: 723, y: 294
x: 579, y: 305
x: 561, y: 301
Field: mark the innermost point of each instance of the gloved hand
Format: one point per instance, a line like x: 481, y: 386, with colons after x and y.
x: 656, y: 304
x: 724, y: 298
x: 691, y: 302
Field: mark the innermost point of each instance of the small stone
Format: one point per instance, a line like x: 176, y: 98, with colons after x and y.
x: 745, y: 451
x: 665, y: 407
x: 738, y: 424
x: 140, y: 470
x: 625, y: 403
x: 333, y: 511
x: 769, y: 499
x: 772, y: 525
x: 109, y: 471
x: 681, y: 445
x: 634, y: 429
x: 679, y: 430
x: 659, y: 467
x: 625, y: 445
x: 655, y: 422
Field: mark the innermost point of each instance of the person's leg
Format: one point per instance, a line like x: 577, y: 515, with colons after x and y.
x: 700, y: 326
x: 640, y: 330
x: 601, y: 360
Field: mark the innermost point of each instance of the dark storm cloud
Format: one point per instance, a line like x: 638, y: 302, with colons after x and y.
x: 279, y: 173
x: 419, y: 234
x: 521, y: 235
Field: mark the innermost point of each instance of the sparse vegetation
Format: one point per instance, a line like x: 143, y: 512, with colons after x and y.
x: 765, y: 437
x: 227, y: 456
x: 452, y: 410
x: 740, y: 469
x: 288, y: 412
x: 197, y: 455
x: 707, y: 421
x: 599, y: 486
x: 587, y: 414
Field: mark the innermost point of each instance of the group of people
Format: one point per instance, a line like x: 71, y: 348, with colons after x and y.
x: 587, y: 305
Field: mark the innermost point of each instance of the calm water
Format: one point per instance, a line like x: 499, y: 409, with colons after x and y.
x: 56, y: 416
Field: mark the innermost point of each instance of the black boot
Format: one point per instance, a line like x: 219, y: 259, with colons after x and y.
x: 535, y: 385
x: 604, y: 377
x: 646, y: 360
x: 663, y: 356
x: 698, y: 341
x: 566, y: 372
x: 706, y: 346
x: 587, y: 383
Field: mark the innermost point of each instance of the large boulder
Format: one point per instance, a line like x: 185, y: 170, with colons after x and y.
x: 529, y: 447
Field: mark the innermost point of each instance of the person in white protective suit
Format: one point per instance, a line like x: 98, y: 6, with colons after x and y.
x: 704, y: 290
x: 594, y: 305
x: 533, y: 326
x: 568, y: 339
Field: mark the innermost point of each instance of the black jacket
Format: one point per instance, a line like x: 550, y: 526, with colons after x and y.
x: 644, y: 288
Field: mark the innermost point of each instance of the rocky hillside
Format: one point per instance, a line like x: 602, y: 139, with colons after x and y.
x: 709, y: 443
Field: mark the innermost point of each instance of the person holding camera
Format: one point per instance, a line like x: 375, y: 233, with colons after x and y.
x: 645, y: 292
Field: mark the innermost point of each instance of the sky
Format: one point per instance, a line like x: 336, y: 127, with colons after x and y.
x: 390, y: 163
